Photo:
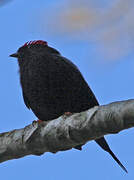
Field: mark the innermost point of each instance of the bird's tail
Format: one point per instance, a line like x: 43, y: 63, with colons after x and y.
x: 102, y: 142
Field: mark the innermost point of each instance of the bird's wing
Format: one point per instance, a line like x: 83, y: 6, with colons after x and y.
x: 71, y: 65
x: 77, y: 74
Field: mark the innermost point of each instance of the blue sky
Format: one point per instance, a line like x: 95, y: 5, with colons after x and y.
x: 110, y: 81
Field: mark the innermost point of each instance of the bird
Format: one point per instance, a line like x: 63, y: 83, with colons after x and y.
x: 53, y: 85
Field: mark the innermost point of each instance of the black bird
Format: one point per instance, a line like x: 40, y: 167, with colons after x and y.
x: 52, y: 85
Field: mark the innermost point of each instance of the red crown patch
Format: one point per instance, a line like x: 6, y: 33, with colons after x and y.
x: 35, y: 42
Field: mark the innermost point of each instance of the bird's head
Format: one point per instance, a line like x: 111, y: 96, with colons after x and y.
x: 33, y: 51
x: 30, y: 48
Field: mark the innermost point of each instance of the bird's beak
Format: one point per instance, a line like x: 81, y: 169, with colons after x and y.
x: 14, y: 55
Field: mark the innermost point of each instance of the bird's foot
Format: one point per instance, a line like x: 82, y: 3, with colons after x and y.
x: 67, y: 114
x: 37, y: 121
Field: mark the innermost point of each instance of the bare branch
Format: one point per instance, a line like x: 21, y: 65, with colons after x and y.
x: 67, y: 132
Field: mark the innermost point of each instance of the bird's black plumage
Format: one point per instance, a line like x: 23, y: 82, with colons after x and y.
x: 52, y: 85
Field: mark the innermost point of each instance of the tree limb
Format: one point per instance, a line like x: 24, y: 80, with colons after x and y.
x: 67, y: 132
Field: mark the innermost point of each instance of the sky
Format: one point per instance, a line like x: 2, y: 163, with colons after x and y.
x: 98, y: 38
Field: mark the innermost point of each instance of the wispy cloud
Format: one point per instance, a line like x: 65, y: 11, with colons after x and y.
x: 110, y: 26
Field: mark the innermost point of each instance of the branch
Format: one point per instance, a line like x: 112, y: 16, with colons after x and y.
x: 67, y: 132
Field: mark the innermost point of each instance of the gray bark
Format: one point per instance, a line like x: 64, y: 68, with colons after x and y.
x: 67, y: 132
